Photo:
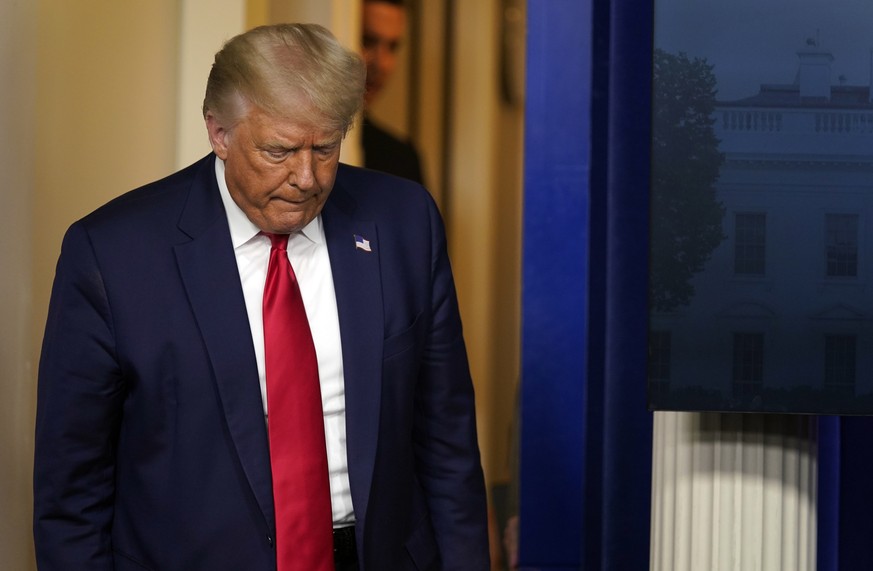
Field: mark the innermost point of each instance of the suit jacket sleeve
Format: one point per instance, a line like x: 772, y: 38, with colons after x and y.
x: 78, y: 412
x: 447, y: 453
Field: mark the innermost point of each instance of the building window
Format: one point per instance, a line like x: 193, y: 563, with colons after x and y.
x: 840, y: 363
x: 750, y: 231
x: 842, y: 245
x: 748, y: 366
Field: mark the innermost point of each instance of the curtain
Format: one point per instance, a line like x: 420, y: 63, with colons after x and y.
x: 586, y: 434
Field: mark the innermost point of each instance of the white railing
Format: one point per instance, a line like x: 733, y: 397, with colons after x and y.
x: 751, y: 120
x: 762, y: 121
x: 842, y: 122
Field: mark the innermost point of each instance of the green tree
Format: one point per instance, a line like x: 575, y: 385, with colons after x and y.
x: 686, y: 214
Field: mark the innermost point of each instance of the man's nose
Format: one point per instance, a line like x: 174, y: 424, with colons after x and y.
x: 384, y: 55
x: 302, y: 173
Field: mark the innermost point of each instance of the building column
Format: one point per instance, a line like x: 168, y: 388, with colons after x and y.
x: 734, y: 491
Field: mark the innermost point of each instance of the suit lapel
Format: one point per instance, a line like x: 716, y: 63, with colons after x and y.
x: 205, y: 261
x: 358, y: 287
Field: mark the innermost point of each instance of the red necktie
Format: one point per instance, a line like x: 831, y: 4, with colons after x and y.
x: 301, y: 491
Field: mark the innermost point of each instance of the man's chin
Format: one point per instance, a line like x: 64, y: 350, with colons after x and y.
x: 293, y: 221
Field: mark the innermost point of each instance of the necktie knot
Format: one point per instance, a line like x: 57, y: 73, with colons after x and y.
x: 278, y: 241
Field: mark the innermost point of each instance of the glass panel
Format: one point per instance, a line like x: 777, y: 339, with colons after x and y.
x: 842, y: 245
x: 840, y: 363
x: 750, y: 241
x: 761, y: 189
x: 748, y: 365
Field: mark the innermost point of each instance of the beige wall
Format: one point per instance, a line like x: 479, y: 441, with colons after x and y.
x: 430, y: 110
x: 17, y: 88
x: 199, y: 39
x: 484, y: 193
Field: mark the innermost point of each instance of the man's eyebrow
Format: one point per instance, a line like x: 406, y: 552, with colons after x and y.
x: 274, y: 146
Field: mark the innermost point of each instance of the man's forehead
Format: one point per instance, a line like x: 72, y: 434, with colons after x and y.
x: 377, y: 12
x: 292, y: 126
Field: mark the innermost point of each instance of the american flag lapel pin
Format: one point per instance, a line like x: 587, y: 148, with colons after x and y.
x: 362, y: 243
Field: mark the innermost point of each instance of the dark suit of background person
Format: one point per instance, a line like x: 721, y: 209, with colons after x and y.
x: 383, y: 29
x: 151, y: 442
x: 385, y: 152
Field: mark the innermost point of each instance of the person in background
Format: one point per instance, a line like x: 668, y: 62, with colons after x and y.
x: 257, y: 362
x: 384, y: 27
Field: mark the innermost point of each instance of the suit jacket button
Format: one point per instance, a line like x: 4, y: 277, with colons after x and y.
x: 270, y: 540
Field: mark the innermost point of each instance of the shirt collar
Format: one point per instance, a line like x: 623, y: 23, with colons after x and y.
x: 243, y: 230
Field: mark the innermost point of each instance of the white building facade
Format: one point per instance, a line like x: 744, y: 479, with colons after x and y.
x: 782, y: 315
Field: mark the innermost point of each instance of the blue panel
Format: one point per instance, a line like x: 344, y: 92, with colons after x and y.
x: 827, y: 551
x: 854, y: 494
x: 555, y: 277
x: 627, y: 426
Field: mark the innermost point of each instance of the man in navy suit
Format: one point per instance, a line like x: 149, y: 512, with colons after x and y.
x: 152, y: 445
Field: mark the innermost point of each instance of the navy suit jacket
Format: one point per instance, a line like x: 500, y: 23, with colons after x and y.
x: 151, y: 445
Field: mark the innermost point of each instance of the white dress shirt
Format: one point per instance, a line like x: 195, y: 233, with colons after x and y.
x: 307, y: 252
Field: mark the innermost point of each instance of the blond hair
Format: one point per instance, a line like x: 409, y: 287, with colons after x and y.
x: 281, y: 67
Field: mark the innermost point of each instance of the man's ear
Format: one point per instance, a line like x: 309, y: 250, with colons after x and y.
x: 218, y: 135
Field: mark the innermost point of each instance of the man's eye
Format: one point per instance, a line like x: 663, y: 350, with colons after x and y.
x: 277, y: 154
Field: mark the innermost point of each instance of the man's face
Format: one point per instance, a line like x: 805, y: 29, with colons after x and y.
x: 384, y: 25
x: 279, y: 171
